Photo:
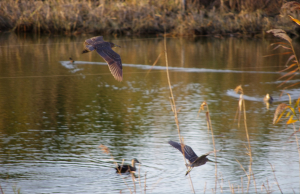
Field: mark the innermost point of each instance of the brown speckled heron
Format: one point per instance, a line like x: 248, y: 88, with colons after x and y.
x: 104, y: 49
x: 190, y: 155
x: 127, y: 168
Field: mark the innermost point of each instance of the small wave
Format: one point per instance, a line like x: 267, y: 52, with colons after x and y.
x: 284, y: 98
x: 69, y: 65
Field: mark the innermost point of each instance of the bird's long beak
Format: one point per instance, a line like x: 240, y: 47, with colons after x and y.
x: 85, y: 51
x: 211, y: 161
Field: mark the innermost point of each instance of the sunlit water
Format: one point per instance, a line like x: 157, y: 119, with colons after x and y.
x: 54, y: 116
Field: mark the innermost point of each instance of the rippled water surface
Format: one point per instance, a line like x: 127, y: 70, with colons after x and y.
x: 55, y: 115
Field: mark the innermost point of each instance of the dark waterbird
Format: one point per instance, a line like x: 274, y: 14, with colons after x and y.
x: 104, y: 49
x: 72, y: 61
x: 268, y: 99
x: 190, y: 155
x: 127, y: 167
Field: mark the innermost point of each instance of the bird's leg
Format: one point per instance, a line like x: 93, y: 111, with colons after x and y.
x: 189, y: 170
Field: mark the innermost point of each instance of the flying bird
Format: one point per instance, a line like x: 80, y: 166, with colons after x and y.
x: 127, y: 168
x: 190, y: 155
x: 104, y: 49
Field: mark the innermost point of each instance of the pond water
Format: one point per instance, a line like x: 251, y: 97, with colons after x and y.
x: 55, y: 115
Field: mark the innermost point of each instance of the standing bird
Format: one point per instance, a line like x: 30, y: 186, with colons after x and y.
x: 190, y: 155
x: 104, y: 49
x: 127, y: 168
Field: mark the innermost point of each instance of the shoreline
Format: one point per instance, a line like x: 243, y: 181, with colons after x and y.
x: 75, y: 17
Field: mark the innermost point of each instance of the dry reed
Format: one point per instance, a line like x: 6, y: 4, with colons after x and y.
x: 173, y: 105
x: 242, y: 109
x: 141, y: 17
x: 209, y: 125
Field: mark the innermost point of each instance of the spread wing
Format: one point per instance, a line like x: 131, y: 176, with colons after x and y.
x: 93, y: 40
x: 113, y: 60
x: 187, y: 151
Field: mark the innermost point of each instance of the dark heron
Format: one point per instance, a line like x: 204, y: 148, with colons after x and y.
x: 126, y: 167
x: 104, y: 49
x: 268, y: 99
x: 72, y: 61
x: 190, y: 155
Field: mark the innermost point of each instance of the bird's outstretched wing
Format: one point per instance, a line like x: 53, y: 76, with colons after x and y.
x: 187, y: 151
x: 93, y: 40
x: 113, y: 60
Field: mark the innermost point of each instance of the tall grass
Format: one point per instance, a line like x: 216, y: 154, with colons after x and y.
x: 242, y: 110
x: 131, y: 17
x: 173, y: 105
x: 209, y: 126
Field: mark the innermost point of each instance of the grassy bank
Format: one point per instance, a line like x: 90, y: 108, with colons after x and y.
x: 132, y: 17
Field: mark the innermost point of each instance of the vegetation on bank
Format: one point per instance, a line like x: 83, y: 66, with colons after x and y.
x: 144, y: 17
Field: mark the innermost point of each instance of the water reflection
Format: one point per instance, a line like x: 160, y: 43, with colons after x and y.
x: 54, y: 115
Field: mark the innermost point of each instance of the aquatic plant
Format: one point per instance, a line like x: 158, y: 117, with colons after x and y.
x: 292, y: 64
x: 292, y: 69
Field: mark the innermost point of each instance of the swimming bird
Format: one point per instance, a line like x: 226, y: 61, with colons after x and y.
x: 72, y: 61
x: 104, y: 49
x: 127, y: 168
x: 268, y: 99
x: 190, y: 155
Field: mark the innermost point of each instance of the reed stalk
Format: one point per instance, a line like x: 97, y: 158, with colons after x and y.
x: 173, y: 105
x: 242, y: 108
x: 145, y: 182
x: 275, y: 177
x: 298, y: 148
x: 209, y: 125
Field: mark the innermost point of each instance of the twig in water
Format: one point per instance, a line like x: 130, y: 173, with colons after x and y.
x: 154, y: 63
x: 248, y: 176
x: 275, y: 176
x: 145, y: 183
x: 1, y: 190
